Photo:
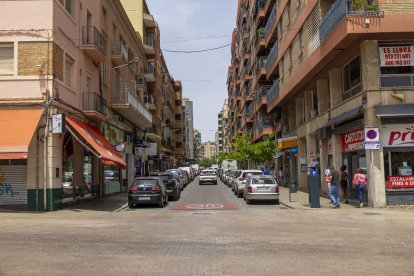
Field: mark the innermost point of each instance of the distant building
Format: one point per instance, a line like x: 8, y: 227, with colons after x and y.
x: 189, y: 129
x: 208, y: 149
x: 197, y: 144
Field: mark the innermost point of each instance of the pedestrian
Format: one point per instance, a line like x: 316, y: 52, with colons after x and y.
x: 281, y: 176
x: 328, y: 179
x: 334, y: 188
x: 344, y: 183
x: 359, y: 182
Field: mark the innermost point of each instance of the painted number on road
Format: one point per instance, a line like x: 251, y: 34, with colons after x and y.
x: 208, y: 206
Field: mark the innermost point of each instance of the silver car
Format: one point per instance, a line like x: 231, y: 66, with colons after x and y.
x: 261, y: 187
x: 240, y: 180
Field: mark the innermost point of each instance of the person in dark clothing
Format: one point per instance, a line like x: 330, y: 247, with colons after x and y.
x: 334, y: 188
x: 343, y: 177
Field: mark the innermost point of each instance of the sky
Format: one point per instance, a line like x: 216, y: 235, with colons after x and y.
x: 191, y: 25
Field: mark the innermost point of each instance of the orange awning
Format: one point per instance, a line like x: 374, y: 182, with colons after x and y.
x: 17, y: 128
x: 94, y: 137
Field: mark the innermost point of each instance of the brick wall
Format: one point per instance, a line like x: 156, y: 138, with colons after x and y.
x: 31, y: 54
x: 58, y: 62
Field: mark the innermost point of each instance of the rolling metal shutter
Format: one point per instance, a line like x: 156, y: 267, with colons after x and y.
x: 13, y: 182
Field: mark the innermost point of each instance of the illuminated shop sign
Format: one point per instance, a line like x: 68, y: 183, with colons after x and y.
x: 353, y: 141
x: 396, y: 56
x: 398, y: 135
x: 399, y: 182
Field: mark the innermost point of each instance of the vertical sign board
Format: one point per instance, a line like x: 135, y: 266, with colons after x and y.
x: 372, y: 138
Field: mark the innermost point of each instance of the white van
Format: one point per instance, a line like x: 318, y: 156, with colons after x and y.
x: 229, y: 165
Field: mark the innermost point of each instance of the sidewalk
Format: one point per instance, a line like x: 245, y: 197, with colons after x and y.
x: 300, y: 200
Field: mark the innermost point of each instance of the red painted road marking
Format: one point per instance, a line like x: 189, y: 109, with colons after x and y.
x: 205, y: 206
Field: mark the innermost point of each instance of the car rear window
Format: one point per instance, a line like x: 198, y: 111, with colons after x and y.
x: 246, y: 174
x: 263, y: 181
x: 145, y: 182
x: 165, y: 177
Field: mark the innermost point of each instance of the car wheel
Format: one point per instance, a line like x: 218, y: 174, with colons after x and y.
x: 130, y: 205
x: 166, y: 199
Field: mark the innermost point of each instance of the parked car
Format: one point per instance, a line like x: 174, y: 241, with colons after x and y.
x: 231, y: 176
x: 207, y: 176
x: 179, y: 176
x: 70, y: 190
x: 241, y: 179
x: 189, y: 171
x: 147, y: 190
x: 171, y: 184
x: 261, y: 187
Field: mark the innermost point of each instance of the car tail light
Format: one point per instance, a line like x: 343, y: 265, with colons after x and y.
x: 249, y: 190
x: 277, y: 189
x: 134, y: 189
x: 154, y: 189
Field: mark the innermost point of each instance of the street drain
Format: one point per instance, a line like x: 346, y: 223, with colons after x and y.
x: 372, y: 214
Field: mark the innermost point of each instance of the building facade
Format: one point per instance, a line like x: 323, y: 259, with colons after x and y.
x: 197, y: 145
x: 208, y: 150
x: 74, y: 76
x: 340, y: 78
x: 189, y: 130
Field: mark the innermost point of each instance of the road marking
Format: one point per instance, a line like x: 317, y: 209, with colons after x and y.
x: 205, y: 206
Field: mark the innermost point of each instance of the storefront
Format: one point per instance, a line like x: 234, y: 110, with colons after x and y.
x: 354, y: 157
x: 398, y: 150
x: 289, y: 146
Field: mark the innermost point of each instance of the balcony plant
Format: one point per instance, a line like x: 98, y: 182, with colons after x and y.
x: 366, y: 5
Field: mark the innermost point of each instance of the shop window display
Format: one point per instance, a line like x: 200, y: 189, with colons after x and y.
x: 399, y: 170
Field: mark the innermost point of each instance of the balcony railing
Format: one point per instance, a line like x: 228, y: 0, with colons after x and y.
x: 265, y: 122
x: 270, y: 21
x: 272, y: 56
x: 259, y: 7
x: 249, y: 110
x: 273, y: 92
x: 93, y: 101
x: 91, y: 36
x: 119, y: 48
x: 263, y: 90
x: 333, y: 16
x: 127, y: 96
x: 260, y: 63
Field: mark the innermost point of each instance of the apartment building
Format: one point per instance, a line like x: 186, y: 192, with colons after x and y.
x: 208, y: 150
x: 197, y: 144
x: 341, y: 76
x: 189, y: 125
x: 161, y: 90
x: 179, y: 126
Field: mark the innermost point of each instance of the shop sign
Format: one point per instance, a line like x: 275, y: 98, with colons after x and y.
x: 398, y: 136
x: 353, y: 141
x: 399, y: 182
x: 396, y: 56
x: 288, y: 142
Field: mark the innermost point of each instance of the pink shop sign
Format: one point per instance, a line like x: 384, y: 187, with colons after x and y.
x: 398, y: 135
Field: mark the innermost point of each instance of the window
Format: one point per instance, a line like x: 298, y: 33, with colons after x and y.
x: 104, y: 18
x: 7, y: 58
x: 393, y: 75
x: 68, y: 70
x: 67, y: 4
x: 151, y: 66
x: 352, y: 78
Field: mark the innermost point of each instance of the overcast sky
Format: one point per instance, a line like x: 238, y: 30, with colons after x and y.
x: 188, y: 25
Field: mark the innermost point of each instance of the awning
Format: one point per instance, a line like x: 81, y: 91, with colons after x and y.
x: 351, y: 114
x: 280, y: 153
x: 17, y: 128
x: 93, y: 136
x: 395, y: 110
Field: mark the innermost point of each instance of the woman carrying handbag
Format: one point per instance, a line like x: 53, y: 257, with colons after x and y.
x: 359, y: 182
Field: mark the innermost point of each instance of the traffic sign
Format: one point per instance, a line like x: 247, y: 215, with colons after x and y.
x: 372, y: 138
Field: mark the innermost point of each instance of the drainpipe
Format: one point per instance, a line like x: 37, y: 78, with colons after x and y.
x: 37, y: 166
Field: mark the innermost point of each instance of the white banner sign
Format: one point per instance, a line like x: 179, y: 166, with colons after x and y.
x: 398, y: 135
x: 396, y: 56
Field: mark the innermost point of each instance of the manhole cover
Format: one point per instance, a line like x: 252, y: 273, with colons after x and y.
x: 372, y: 214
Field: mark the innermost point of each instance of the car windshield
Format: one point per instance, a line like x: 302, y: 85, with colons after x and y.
x: 144, y: 182
x: 207, y: 172
x: 263, y: 181
x: 246, y: 174
x: 165, y: 177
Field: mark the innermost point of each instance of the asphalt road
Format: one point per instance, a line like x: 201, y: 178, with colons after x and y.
x: 262, y: 239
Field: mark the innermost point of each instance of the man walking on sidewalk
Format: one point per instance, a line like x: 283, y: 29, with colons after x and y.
x: 334, y: 188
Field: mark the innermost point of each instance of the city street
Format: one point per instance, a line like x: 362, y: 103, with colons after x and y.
x: 207, y: 232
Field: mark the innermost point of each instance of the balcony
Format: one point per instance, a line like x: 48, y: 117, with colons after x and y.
x: 273, y: 92
x: 127, y: 104
x: 150, y: 75
x: 262, y: 95
x: 149, y: 21
x: 94, y: 106
x: 119, y: 53
x: 271, y: 58
x: 93, y: 43
x: 149, y: 45
x: 149, y: 102
x: 259, y: 66
x: 270, y: 22
x: 264, y: 127
x: 259, y: 11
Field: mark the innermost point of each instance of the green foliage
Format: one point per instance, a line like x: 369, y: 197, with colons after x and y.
x: 244, y: 150
x: 207, y: 162
x: 358, y: 5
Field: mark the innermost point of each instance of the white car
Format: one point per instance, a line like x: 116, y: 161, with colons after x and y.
x: 240, y: 180
x: 207, y: 176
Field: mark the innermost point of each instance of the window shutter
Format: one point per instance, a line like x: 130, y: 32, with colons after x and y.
x: 6, y: 58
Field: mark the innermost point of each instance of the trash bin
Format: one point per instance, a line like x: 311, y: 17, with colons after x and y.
x: 313, y: 182
x: 293, y: 186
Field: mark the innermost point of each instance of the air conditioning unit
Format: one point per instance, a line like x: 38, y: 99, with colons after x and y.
x: 314, y: 113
